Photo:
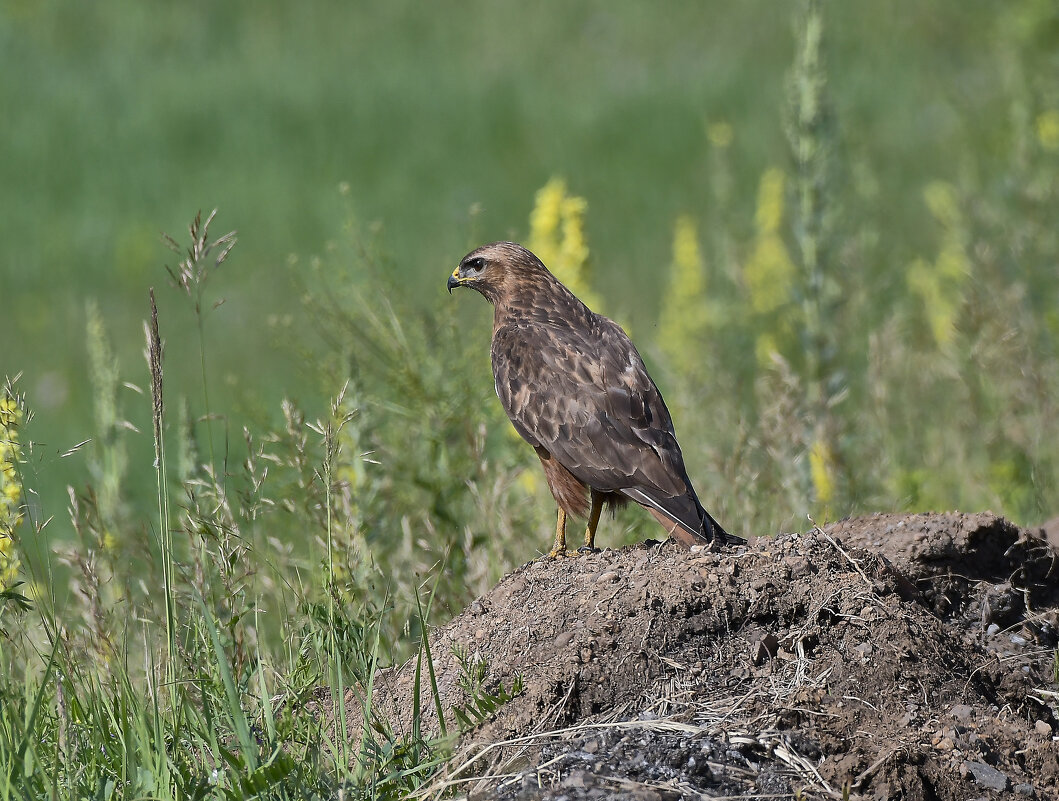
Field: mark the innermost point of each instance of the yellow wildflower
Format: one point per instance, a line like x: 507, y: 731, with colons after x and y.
x: 574, y: 249
x: 1048, y: 129
x: 9, y: 562
x: 943, y: 203
x: 545, y: 221
x: 557, y: 236
x: 720, y: 134
x: 821, y: 465
x: 11, y: 416
x: 684, y: 314
x: 939, y: 284
x: 529, y: 480
x: 769, y: 274
x: 770, y: 261
x: 769, y: 214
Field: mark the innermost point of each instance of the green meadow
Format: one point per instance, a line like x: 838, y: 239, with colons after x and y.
x: 830, y: 229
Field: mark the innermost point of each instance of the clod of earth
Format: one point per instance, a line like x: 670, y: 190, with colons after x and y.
x: 875, y: 655
x: 986, y: 776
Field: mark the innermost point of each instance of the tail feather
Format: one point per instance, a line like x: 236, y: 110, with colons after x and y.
x: 684, y: 518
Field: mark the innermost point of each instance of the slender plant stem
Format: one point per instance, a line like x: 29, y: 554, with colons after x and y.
x: 329, y: 454
x: 206, y: 390
x: 165, y: 544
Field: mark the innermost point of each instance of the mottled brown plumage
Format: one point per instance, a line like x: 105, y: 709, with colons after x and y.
x: 576, y: 389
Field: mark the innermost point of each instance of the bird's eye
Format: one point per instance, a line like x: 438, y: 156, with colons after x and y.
x: 476, y: 264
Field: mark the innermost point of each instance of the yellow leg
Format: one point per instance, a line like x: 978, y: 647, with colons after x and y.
x: 593, y: 521
x: 560, y: 535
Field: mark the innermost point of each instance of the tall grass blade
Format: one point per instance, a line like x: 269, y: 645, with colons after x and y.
x: 31, y: 719
x: 234, y: 702
x: 165, y: 545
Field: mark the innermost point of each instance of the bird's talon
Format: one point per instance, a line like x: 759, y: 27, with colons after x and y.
x: 557, y: 553
x: 588, y: 549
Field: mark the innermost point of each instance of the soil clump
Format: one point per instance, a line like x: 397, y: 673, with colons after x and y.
x: 889, y: 657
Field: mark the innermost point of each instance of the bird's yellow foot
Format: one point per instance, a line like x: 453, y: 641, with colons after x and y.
x: 593, y: 521
x: 562, y: 553
x: 559, y: 548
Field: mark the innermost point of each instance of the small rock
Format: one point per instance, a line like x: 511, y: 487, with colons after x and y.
x: 590, y: 747
x: 962, y: 713
x: 992, y: 629
x: 1018, y: 639
x: 799, y: 566
x: 987, y: 776
x: 563, y: 640
x: 605, y: 578
x: 576, y: 780
x: 1024, y: 789
x: 945, y: 744
x: 1043, y: 728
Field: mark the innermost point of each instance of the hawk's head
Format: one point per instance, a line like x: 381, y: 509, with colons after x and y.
x: 498, y: 269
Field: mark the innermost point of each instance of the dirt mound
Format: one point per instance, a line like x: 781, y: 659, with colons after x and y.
x: 893, y: 656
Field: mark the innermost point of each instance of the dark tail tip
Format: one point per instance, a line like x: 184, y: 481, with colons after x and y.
x: 717, y: 534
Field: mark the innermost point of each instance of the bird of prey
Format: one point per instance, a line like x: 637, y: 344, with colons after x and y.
x: 575, y: 389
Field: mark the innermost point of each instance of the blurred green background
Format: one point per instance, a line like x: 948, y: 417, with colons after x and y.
x: 325, y: 130
x: 830, y: 228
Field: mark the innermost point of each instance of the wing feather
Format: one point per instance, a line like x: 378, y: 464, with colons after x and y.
x: 583, y: 393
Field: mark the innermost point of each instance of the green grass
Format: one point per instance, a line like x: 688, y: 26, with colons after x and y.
x: 179, y: 663
x: 867, y: 322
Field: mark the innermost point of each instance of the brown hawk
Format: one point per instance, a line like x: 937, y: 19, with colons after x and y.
x: 575, y: 389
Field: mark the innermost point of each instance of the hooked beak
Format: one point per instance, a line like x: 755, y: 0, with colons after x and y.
x: 454, y: 280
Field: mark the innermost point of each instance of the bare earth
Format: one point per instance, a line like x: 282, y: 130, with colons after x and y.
x: 894, y: 656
